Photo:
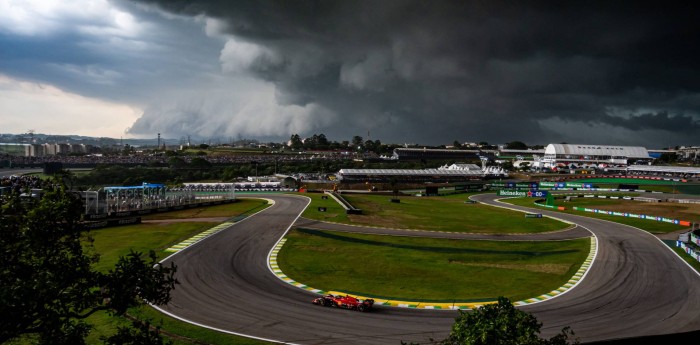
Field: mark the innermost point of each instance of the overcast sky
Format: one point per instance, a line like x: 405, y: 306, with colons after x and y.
x: 426, y: 72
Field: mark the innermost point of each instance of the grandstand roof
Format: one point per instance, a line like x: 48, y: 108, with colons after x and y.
x: 409, y: 172
x: 597, y: 150
x: 414, y: 149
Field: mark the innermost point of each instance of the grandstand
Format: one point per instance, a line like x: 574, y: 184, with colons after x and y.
x: 434, y: 154
x: 134, y: 198
x: 526, y: 154
x: 577, y: 155
x: 664, y: 171
x: 237, y: 186
x: 408, y: 175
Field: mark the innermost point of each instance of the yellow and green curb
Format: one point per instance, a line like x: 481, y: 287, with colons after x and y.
x: 274, y: 267
x: 196, y: 238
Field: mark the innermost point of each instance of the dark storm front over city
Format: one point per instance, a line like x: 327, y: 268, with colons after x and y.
x: 399, y: 71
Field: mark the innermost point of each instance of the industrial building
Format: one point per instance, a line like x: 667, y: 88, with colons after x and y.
x: 40, y: 150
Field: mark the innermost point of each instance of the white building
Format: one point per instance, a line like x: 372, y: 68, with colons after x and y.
x: 689, y: 152
x: 579, y: 155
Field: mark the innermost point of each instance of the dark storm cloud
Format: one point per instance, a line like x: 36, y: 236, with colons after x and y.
x: 662, y: 121
x: 433, y: 72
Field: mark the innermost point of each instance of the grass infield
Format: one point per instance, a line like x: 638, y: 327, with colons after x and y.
x: 448, y: 213
x: 618, y: 205
x: 430, y: 270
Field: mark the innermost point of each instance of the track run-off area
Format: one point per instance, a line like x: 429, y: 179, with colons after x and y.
x: 635, y: 286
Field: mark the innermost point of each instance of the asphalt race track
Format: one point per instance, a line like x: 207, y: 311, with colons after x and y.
x: 635, y: 287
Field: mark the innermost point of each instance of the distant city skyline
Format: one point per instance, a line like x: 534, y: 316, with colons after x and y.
x: 405, y: 71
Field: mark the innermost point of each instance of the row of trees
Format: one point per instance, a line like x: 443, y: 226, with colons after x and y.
x: 357, y: 144
x: 320, y: 142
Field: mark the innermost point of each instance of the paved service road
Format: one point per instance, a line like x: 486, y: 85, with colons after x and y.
x: 635, y: 287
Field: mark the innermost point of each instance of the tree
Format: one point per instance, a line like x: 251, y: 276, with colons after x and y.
x: 502, y: 324
x: 128, y: 150
x: 356, y: 142
x: 322, y: 142
x: 369, y: 146
x: 295, y: 142
x: 667, y: 158
x: 176, y: 163
x: 48, y: 284
x: 200, y: 163
x: 516, y: 145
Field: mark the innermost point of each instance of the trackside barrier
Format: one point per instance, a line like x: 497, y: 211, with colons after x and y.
x: 632, y: 215
x: 694, y: 253
x: 685, y: 201
x: 695, y: 238
x: 646, y: 199
x: 560, y: 208
x: 111, y: 223
x: 636, y: 198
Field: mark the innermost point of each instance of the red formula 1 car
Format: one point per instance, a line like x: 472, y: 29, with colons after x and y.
x: 347, y: 302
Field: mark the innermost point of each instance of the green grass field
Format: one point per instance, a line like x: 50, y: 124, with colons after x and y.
x: 111, y: 243
x: 644, y: 224
x: 408, y: 268
x: 180, y: 333
x: 448, y: 213
x: 334, y: 212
